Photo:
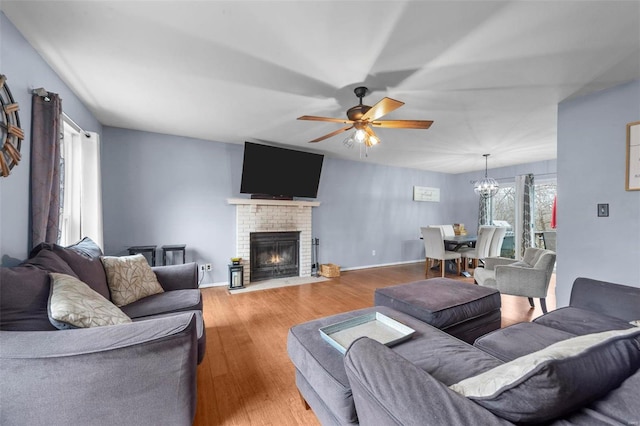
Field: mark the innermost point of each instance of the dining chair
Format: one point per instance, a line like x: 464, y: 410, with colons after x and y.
x: 481, y: 249
x: 496, y: 241
x: 434, y: 249
x: 549, y: 238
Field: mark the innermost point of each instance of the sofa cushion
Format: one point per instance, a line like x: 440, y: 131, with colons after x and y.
x: 169, y: 301
x: 558, y: 379
x: 130, y: 278
x: 580, y: 321
x: 73, y: 304
x: 520, y: 339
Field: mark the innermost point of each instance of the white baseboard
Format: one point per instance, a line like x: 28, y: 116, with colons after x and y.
x: 218, y: 284
x: 355, y: 268
x: 381, y: 265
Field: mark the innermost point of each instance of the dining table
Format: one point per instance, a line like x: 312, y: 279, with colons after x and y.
x: 455, y: 242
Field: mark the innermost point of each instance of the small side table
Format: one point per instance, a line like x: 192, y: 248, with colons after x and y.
x: 144, y: 249
x: 236, y: 277
x: 177, y: 247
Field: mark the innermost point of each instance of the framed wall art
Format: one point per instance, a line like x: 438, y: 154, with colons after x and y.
x: 633, y: 157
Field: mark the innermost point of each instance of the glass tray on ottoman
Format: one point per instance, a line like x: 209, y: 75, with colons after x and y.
x: 375, y: 325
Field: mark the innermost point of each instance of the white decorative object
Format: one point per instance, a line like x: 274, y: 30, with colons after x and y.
x: 424, y: 193
x: 633, y: 157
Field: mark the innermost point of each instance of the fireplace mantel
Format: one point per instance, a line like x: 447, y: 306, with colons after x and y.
x: 258, y: 202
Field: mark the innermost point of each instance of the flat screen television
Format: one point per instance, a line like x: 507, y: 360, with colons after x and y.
x: 280, y: 173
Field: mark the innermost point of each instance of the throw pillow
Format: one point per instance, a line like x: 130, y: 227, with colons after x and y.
x: 73, y: 304
x: 89, y: 269
x: 558, y: 379
x: 130, y: 278
x: 50, y: 262
x: 86, y: 247
x: 24, y: 291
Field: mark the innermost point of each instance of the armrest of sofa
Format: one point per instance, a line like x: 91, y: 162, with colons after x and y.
x: 141, y: 373
x: 177, y: 277
x: 616, y: 300
x: 490, y: 263
x: 522, y: 281
x: 388, y: 389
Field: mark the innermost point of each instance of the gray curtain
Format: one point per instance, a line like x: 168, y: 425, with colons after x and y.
x: 527, y: 207
x: 45, y: 168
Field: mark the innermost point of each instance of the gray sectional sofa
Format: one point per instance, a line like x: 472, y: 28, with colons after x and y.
x: 137, y: 373
x: 577, y: 365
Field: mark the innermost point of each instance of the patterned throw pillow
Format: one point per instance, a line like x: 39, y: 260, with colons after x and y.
x: 130, y: 278
x: 73, y: 304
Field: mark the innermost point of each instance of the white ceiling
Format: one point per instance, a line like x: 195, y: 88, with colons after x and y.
x: 490, y: 74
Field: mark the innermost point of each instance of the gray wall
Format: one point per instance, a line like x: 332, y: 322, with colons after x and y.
x: 591, y: 170
x: 161, y: 189
x: 25, y: 70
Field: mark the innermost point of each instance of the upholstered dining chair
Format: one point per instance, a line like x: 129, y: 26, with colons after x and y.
x: 496, y: 241
x: 481, y: 249
x: 434, y: 250
x: 528, y: 277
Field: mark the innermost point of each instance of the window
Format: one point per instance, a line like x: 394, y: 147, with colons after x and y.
x: 81, y: 206
x: 503, y: 206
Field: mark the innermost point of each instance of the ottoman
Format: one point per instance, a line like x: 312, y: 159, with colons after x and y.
x: 466, y: 311
x: 322, y: 380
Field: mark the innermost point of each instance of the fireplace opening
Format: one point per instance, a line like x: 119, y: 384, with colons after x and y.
x: 274, y: 255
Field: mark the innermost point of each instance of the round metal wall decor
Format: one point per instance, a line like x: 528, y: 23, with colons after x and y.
x: 11, y: 135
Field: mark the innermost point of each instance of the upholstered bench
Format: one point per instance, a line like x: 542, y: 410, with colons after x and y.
x: 319, y: 367
x: 466, y: 311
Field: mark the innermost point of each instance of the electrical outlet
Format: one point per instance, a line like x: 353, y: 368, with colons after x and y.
x: 202, y: 268
x: 208, y: 267
x: 373, y: 252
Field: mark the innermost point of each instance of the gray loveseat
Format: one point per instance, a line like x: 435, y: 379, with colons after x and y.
x: 138, y: 373
x: 594, y: 386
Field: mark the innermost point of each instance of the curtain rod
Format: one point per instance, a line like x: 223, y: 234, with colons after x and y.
x: 512, y: 177
x: 44, y: 93
x: 73, y: 124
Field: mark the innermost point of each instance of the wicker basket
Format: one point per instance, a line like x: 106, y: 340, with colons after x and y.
x: 329, y: 270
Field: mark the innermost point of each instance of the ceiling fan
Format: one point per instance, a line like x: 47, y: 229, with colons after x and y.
x: 361, y: 117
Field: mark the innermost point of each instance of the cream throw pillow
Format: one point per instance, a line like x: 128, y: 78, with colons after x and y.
x: 73, y: 304
x: 130, y: 278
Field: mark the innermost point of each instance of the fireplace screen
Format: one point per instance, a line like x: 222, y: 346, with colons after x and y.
x: 274, y: 255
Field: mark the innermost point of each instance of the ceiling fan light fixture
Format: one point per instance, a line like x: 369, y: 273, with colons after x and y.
x: 360, y: 136
x: 349, y: 141
x: 486, y: 187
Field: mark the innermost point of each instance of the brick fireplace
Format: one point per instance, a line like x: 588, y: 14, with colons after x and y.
x: 254, y: 216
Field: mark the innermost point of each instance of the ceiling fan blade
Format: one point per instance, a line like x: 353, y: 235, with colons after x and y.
x: 403, y: 124
x: 327, y: 136
x: 385, y: 106
x: 333, y: 120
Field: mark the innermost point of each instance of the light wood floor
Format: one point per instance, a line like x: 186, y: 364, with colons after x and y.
x: 246, y: 377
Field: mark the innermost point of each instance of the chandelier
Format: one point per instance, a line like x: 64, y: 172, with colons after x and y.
x: 486, y: 187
